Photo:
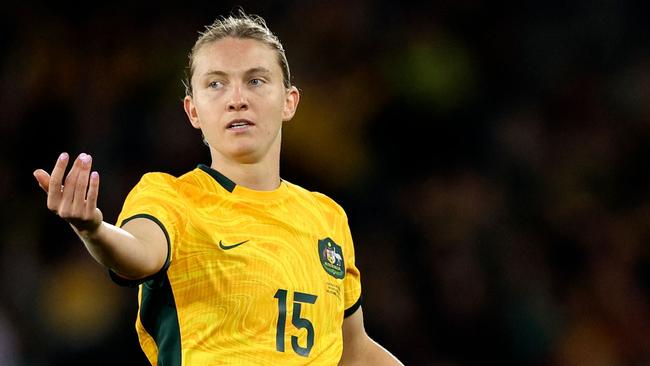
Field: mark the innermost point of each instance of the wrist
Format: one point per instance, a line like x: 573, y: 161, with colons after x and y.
x: 87, y: 231
x: 86, y: 228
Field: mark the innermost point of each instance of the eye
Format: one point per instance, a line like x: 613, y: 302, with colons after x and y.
x: 256, y: 82
x: 215, y: 85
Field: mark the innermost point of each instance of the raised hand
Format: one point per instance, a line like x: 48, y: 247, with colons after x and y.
x: 74, y: 200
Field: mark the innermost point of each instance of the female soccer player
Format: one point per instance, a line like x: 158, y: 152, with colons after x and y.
x: 234, y: 265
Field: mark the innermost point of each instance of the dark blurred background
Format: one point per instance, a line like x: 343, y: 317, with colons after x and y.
x: 493, y: 161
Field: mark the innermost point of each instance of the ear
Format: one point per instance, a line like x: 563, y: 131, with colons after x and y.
x: 291, y: 100
x: 190, y: 110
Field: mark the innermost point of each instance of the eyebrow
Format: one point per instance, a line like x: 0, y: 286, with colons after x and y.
x: 257, y: 70
x: 254, y: 70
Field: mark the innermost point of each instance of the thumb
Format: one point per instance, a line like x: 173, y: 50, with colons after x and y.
x: 43, y: 179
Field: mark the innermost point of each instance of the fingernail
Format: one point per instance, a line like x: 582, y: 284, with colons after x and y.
x: 85, y: 158
x: 94, y: 175
x: 63, y: 156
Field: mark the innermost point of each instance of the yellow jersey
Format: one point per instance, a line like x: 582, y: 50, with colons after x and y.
x: 251, y: 277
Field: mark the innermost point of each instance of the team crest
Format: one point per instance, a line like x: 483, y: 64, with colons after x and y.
x: 331, y: 257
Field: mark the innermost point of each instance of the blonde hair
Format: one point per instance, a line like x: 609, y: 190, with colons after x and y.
x: 243, y: 26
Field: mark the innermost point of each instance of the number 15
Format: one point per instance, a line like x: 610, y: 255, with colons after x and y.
x: 299, y: 298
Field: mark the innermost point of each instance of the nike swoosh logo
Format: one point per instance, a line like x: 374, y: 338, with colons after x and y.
x: 226, y: 247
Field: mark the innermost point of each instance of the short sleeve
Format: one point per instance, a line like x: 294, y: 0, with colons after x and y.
x: 155, y: 197
x: 352, y: 279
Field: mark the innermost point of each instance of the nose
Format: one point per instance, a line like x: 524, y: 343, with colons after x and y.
x: 237, y: 101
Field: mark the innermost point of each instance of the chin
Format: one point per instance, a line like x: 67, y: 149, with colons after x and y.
x: 245, y: 154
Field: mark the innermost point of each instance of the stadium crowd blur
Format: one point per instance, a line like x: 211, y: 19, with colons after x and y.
x: 493, y: 162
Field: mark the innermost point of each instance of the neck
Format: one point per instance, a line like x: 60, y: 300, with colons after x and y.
x: 260, y: 175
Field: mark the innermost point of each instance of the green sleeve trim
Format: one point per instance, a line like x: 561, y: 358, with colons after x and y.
x: 134, y: 283
x: 352, y: 309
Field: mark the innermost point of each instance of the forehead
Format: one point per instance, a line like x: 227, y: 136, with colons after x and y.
x: 232, y: 55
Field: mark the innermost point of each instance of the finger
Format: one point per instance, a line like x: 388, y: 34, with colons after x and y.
x: 79, y: 198
x: 54, y: 186
x: 43, y: 179
x: 93, y: 192
x: 70, y: 183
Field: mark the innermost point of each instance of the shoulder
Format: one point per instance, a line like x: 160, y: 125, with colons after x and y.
x: 162, y: 185
x: 152, y: 189
x: 157, y: 179
x: 156, y: 182
x: 322, y: 201
x: 164, y: 180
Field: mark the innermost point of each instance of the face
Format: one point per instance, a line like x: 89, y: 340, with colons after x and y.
x: 239, y: 100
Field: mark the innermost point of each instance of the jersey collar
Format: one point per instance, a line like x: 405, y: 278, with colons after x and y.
x: 223, y: 181
x: 282, y: 192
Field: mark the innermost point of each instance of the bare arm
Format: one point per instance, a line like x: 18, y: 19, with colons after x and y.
x: 136, y: 251
x: 359, y: 349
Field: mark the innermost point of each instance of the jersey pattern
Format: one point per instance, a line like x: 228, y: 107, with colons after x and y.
x: 251, y: 277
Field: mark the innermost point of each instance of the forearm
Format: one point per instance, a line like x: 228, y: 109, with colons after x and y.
x: 117, y: 249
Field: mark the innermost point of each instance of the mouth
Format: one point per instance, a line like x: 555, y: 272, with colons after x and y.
x: 239, y: 124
